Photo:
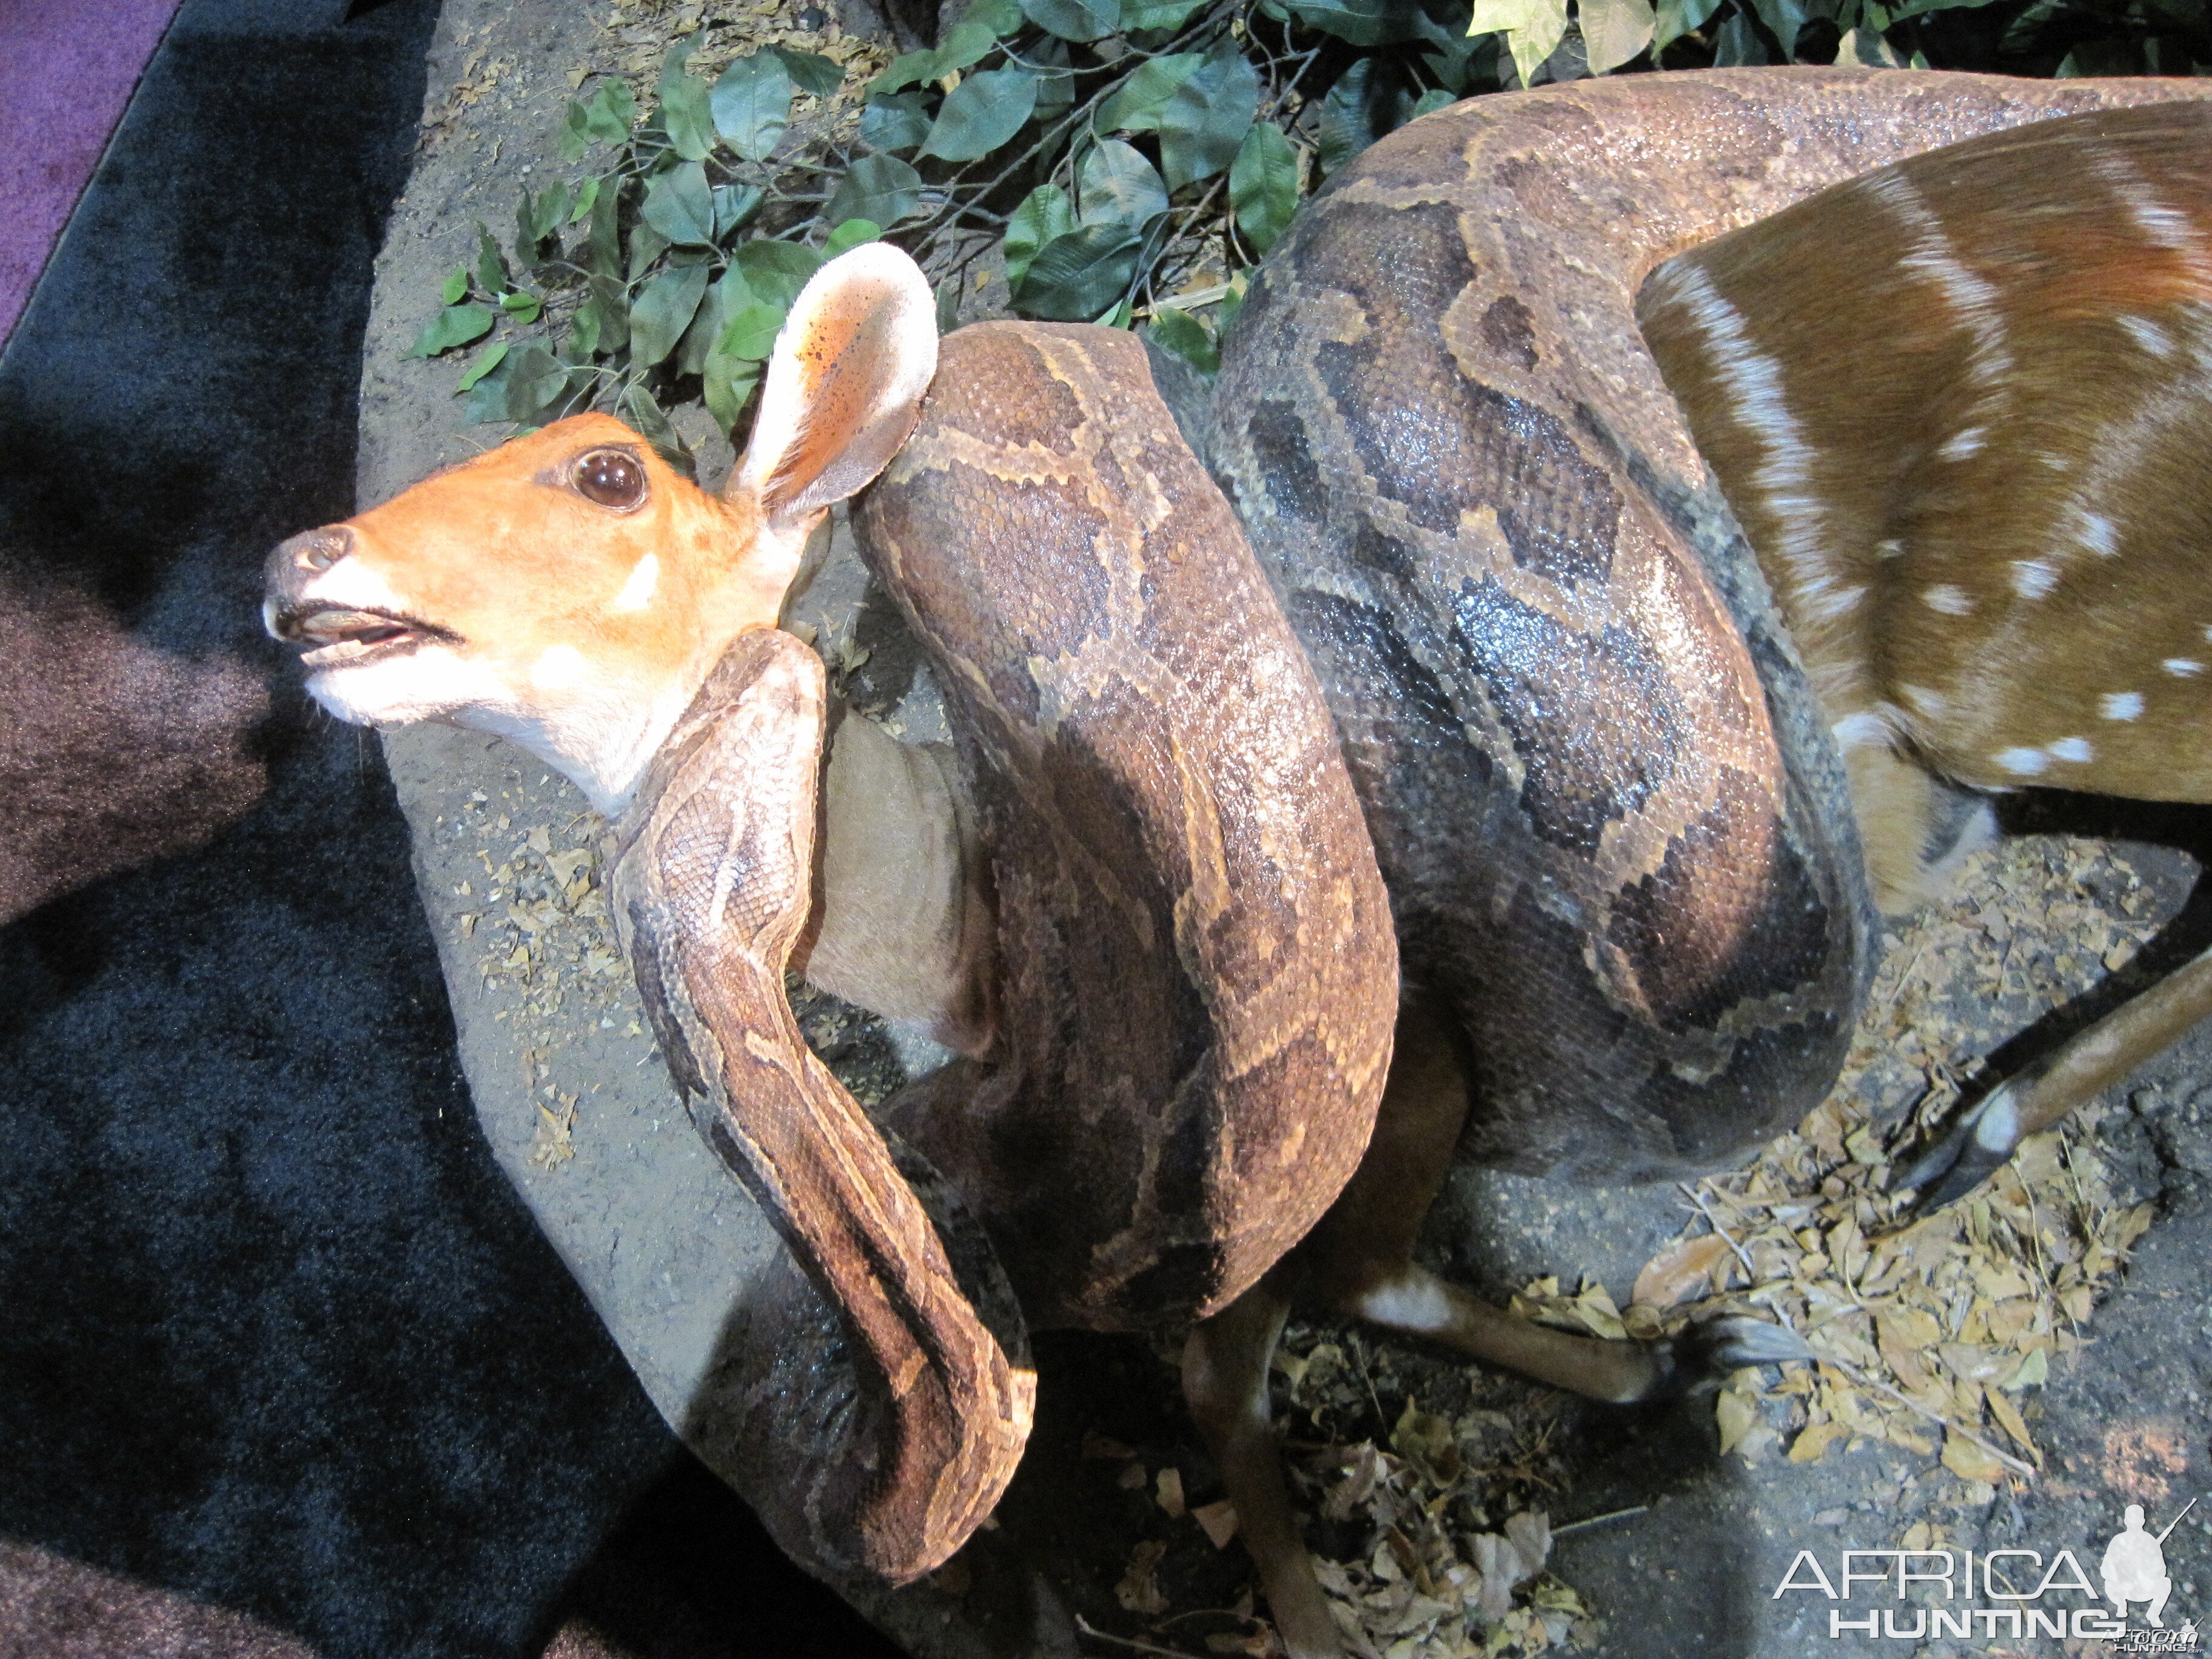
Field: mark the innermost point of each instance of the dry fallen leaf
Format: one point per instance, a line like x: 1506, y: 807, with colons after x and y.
x: 1683, y: 1272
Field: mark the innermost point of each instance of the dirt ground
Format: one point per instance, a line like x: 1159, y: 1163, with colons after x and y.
x: 2010, y: 1373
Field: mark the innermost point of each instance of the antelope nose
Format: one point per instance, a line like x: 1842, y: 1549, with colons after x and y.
x: 296, y: 562
x: 315, y: 550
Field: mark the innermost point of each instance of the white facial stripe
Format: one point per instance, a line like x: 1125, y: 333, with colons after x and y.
x: 560, y: 666
x: 637, y: 593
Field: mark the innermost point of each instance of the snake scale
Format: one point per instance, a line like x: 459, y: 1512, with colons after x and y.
x: 1495, y: 644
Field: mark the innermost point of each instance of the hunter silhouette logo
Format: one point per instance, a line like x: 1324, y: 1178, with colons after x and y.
x: 2135, y: 1566
x: 2004, y: 1594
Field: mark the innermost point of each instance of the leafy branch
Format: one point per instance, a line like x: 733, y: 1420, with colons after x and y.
x: 1121, y: 161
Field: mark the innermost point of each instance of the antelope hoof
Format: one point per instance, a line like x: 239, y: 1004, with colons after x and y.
x: 1970, y: 1150
x: 1698, y: 1360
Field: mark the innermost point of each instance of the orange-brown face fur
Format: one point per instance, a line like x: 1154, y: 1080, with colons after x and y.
x: 500, y: 595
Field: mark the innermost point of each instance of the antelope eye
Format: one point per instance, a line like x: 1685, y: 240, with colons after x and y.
x: 612, y: 477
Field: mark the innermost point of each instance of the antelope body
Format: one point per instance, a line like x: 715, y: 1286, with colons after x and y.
x: 568, y: 592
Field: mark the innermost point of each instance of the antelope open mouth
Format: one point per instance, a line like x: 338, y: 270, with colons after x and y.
x: 339, y: 636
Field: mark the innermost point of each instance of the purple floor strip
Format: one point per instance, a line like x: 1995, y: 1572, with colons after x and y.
x: 67, y: 68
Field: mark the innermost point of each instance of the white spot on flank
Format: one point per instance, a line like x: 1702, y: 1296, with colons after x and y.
x: 1890, y: 548
x: 2148, y: 335
x: 637, y: 593
x: 1963, y: 444
x: 1865, y: 730
x: 2033, y: 578
x: 2077, y: 749
x: 1950, y: 600
x: 1929, y: 703
x: 2120, y: 705
x: 2098, y: 535
x: 2022, y: 762
x: 561, y: 666
x: 1410, y: 1303
x: 1783, y: 479
x: 2183, y: 667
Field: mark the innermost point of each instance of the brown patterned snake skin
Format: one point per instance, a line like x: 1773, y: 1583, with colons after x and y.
x: 1196, y: 974
x: 1512, y: 624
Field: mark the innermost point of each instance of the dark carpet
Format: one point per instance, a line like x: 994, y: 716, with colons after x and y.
x: 278, y: 1340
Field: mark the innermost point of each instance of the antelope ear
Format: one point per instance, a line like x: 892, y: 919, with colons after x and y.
x: 844, y: 385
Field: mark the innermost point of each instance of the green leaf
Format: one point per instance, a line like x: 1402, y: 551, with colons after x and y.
x: 723, y: 298
x: 1119, y: 186
x: 575, y: 138
x: 1783, y: 18
x: 1533, y: 29
x: 811, y: 72
x: 1135, y: 105
x: 1263, y: 185
x: 733, y: 205
x: 683, y: 105
x: 1075, y: 19
x: 602, y: 247
x: 523, y: 307
x: 1056, y: 87
x: 1346, y: 123
x: 537, y: 383
x: 680, y: 206
x: 1044, y: 214
x: 1363, y: 23
x: 610, y: 115
x: 1614, y: 31
x: 646, y: 246
x: 488, y: 397
x: 1736, y: 43
x: 587, y: 198
x: 1002, y: 17
x: 1677, y: 18
x: 1866, y: 45
x: 1077, y: 276
x: 491, y: 265
x: 850, y: 235
x: 456, y: 326
x: 485, y: 361
x: 775, y: 270
x: 728, y: 384
x: 456, y: 286
x: 980, y: 114
x: 893, y: 123
x: 1430, y: 103
x: 751, y: 330
x: 643, y: 411
x: 879, y: 187
x: 948, y: 305
x: 753, y: 104
x: 906, y: 69
x: 663, y: 310
x: 584, y: 329
x: 972, y: 40
x: 1137, y: 15
x: 1207, y: 116
x: 1185, y: 336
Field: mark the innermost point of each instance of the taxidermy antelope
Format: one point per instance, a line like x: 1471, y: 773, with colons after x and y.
x: 1496, y: 666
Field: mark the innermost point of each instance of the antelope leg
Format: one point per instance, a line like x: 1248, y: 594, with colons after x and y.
x: 1224, y: 1383
x: 2044, y: 1091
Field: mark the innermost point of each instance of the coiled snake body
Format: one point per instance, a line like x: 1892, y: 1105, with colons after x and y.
x: 1614, y: 830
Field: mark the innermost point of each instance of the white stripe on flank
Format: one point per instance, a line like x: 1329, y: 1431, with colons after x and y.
x: 1973, y: 298
x: 1864, y: 730
x: 1783, y: 477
